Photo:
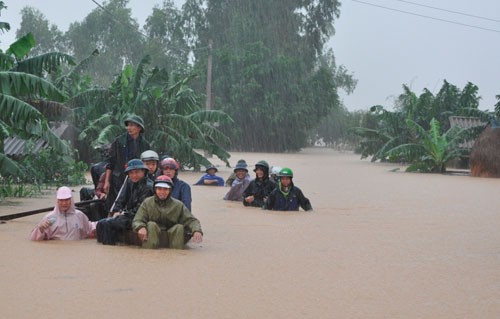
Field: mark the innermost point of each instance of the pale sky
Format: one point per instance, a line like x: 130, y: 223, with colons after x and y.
x: 383, y: 48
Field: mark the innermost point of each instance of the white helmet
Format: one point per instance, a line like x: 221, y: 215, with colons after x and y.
x: 275, y: 170
x: 149, y: 155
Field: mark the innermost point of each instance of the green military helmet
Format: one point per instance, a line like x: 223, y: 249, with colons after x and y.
x: 135, y: 164
x: 135, y: 119
x: 285, y: 171
x: 263, y: 164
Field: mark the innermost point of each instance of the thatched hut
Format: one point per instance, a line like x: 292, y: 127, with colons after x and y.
x: 485, y: 155
x: 464, y: 122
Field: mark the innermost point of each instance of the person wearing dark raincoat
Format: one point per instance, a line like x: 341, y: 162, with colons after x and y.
x: 257, y: 191
x: 287, y: 196
x: 126, y: 147
x: 136, y: 189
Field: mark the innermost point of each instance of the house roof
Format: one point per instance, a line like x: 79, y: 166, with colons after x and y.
x: 466, y: 122
x: 16, y: 147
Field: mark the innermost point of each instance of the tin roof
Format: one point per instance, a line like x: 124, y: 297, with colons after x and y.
x: 16, y: 147
x: 466, y: 122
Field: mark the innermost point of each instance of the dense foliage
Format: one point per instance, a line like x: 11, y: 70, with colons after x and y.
x: 270, y: 69
x: 418, y: 131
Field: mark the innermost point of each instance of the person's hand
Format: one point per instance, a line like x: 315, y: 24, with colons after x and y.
x: 106, y: 186
x: 249, y: 199
x: 43, y: 226
x: 102, y: 196
x: 197, y: 237
x: 116, y: 214
x: 143, y: 234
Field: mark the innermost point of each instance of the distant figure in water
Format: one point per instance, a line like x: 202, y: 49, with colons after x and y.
x: 257, y: 191
x: 232, y: 177
x: 210, y: 179
x: 287, y: 196
x: 65, y: 222
x: 240, y: 182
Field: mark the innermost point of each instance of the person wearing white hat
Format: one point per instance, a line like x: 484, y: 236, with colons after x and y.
x: 163, y: 212
x: 65, y: 222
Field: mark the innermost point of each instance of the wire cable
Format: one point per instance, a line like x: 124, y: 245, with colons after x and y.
x: 450, y: 11
x: 428, y: 17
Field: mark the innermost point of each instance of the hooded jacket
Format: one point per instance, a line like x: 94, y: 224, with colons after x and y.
x: 165, y: 213
x: 70, y: 225
x: 259, y: 189
x: 237, y: 188
x: 280, y: 200
x: 133, y: 195
x: 182, y: 192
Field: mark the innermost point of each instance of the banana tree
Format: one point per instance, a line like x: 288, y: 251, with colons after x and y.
x: 431, y: 150
x: 176, y: 124
x: 20, y: 81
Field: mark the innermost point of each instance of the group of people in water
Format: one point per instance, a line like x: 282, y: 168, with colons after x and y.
x: 143, y: 194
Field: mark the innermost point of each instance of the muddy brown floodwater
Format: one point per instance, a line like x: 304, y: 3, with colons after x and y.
x: 379, y: 244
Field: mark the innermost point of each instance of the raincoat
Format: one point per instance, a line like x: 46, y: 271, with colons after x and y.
x: 70, y: 225
x: 280, y: 200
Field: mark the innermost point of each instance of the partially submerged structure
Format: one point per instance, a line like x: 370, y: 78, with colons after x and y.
x: 465, y: 122
x: 485, y: 155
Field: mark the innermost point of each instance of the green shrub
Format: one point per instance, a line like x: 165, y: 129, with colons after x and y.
x: 48, y: 167
x: 10, y: 187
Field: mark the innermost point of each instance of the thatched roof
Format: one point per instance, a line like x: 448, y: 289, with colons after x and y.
x: 485, y: 155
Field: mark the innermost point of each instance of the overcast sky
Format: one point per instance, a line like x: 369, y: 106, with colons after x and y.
x: 383, y: 48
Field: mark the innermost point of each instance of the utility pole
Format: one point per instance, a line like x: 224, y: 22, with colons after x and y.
x: 208, y: 102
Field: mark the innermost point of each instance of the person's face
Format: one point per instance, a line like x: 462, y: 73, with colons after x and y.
x: 240, y: 173
x: 64, y: 204
x: 136, y: 175
x: 259, y: 172
x: 170, y: 172
x: 285, y: 181
x: 162, y: 193
x: 211, y: 171
x: 133, y: 129
x: 152, y: 165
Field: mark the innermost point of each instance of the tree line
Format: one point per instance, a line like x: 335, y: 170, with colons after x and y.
x: 271, y: 71
x: 275, y: 87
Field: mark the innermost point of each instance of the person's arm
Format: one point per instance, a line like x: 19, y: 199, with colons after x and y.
x: 99, y: 191
x: 186, y: 195
x: 269, y: 202
x: 210, y: 180
x: 139, y: 222
x: 190, y: 222
x: 87, y: 225
x: 304, y: 201
x: 220, y: 181
x: 40, y: 232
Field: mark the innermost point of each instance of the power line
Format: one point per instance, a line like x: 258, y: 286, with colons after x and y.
x: 450, y: 11
x: 428, y: 17
x: 128, y: 25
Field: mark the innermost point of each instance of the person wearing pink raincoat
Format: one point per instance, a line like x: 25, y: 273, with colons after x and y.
x: 65, y: 222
